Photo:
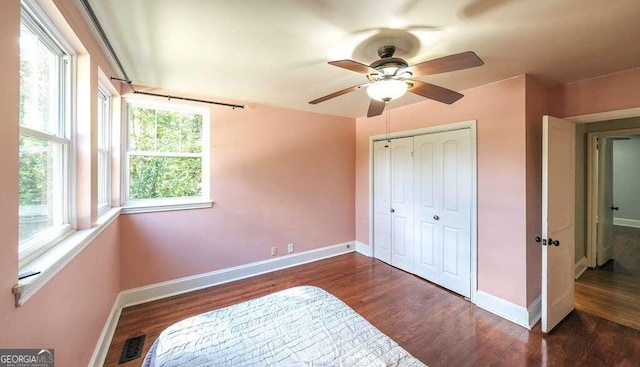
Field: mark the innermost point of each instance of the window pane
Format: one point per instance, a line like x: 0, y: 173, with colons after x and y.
x: 153, y: 130
x: 103, y: 175
x: 103, y: 123
x: 40, y: 190
x: 192, y: 133
x: 169, y: 126
x: 39, y: 84
x: 164, y: 177
x: 142, y: 129
x: 103, y: 150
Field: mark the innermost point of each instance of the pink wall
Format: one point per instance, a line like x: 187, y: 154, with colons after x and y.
x: 499, y: 109
x: 69, y: 312
x: 536, y: 108
x: 278, y: 176
x: 606, y: 93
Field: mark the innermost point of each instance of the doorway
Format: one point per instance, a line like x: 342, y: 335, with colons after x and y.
x: 610, y: 286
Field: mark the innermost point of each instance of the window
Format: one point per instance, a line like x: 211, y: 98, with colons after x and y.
x: 45, y: 142
x: 104, y: 152
x: 167, y: 159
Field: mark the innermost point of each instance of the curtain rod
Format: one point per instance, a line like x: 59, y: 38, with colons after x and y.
x: 169, y: 96
x: 125, y: 79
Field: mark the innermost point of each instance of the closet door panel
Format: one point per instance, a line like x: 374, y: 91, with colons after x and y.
x: 427, y: 199
x: 381, y: 202
x: 450, y: 253
x: 455, y: 216
x: 402, y: 204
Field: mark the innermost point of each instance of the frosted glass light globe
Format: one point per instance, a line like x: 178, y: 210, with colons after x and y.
x: 387, y: 89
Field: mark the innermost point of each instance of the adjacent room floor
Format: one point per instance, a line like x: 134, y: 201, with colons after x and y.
x: 436, y: 326
x: 612, y: 291
x: 626, y: 251
x: 610, y: 295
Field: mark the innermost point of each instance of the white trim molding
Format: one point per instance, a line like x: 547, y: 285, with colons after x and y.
x: 581, y: 267
x: 604, y: 116
x: 364, y: 249
x: 192, y: 283
x: 526, y: 317
x: 104, y: 340
x: 535, y: 312
x: 626, y: 222
x: 134, y: 209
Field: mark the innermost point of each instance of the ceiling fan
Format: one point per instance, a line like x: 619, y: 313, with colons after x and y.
x: 390, y: 78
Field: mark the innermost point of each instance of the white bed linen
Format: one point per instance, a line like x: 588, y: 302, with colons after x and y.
x: 301, y: 326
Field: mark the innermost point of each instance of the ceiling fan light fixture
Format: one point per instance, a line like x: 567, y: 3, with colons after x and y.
x: 387, y: 89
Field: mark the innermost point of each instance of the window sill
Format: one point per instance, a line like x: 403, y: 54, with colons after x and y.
x: 56, y: 258
x: 147, y: 207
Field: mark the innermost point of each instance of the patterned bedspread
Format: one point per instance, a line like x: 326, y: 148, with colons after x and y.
x: 301, y: 326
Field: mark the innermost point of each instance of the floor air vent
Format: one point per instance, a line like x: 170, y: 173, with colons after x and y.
x: 132, y: 349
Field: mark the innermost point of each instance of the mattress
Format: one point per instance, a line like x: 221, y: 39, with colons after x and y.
x: 301, y: 326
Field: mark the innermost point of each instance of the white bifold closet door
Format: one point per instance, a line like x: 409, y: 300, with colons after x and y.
x: 422, y: 206
x: 442, y: 166
x: 393, y: 202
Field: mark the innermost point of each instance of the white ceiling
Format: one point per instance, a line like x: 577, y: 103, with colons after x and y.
x: 276, y: 52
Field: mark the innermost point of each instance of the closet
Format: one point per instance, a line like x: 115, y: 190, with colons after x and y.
x: 422, y: 206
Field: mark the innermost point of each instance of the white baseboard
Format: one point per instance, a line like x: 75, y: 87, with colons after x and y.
x: 174, y: 287
x: 535, y: 312
x: 363, y: 249
x: 581, y: 266
x: 523, y: 316
x: 104, y: 341
x: 626, y: 222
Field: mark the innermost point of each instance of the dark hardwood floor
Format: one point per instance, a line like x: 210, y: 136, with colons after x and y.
x: 610, y: 295
x: 436, y: 326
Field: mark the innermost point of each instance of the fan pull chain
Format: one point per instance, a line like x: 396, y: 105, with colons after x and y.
x: 388, y: 129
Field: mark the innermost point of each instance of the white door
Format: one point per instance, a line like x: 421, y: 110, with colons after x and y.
x: 442, y: 225
x: 605, y: 200
x: 558, y: 220
x: 402, y: 203
x: 381, y: 201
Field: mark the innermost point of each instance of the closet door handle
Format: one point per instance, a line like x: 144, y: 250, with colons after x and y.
x: 392, y: 210
x: 436, y: 217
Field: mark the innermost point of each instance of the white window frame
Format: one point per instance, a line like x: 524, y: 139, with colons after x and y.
x: 164, y: 204
x: 104, y: 198
x: 35, y: 19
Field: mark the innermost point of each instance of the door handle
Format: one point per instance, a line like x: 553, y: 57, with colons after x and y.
x: 552, y: 242
x: 392, y: 210
x: 614, y: 208
x: 436, y: 217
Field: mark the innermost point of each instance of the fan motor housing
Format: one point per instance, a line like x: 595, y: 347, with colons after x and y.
x: 389, y: 62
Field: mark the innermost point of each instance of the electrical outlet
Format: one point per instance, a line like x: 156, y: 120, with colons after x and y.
x: 290, y: 248
x: 274, y: 251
